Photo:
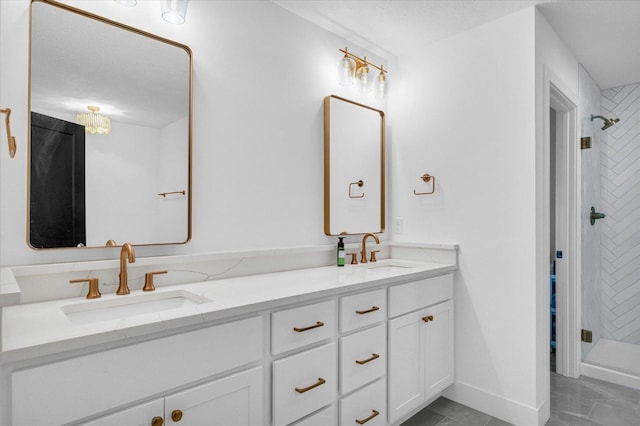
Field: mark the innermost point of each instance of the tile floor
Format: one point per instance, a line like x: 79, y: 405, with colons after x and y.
x: 574, y: 402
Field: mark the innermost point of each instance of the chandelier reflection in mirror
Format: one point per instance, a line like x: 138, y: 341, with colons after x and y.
x: 93, y: 121
x: 354, y: 70
x: 173, y: 11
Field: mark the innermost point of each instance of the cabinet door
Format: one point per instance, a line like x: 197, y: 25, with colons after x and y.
x: 439, y: 349
x: 406, y: 364
x: 140, y: 415
x: 420, y: 357
x: 232, y: 401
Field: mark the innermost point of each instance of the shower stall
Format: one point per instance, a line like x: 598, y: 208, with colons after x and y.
x: 611, y: 246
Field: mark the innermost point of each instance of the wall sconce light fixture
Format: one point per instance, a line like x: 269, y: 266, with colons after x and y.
x: 93, y: 121
x: 173, y: 11
x: 353, y: 69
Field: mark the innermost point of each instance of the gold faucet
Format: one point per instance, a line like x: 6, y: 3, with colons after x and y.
x: 363, y: 257
x: 126, y: 252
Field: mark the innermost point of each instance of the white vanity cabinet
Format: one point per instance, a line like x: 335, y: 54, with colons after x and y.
x: 72, y: 389
x: 363, y: 359
x: 420, y: 344
x: 308, y: 380
x: 234, y: 400
x: 370, y: 353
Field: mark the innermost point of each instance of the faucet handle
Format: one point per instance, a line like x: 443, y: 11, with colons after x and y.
x: 94, y: 292
x: 354, y: 258
x: 148, y: 280
x: 373, y: 255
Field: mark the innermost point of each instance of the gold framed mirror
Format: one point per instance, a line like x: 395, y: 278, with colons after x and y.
x: 132, y: 182
x: 354, y: 167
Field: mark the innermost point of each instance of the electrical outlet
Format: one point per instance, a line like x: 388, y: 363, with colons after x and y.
x: 398, y: 225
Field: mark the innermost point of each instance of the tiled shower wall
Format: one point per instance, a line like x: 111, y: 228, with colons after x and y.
x: 620, y: 244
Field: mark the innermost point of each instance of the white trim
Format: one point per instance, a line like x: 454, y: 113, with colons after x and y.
x: 495, y: 405
x: 557, y: 95
x: 609, y: 375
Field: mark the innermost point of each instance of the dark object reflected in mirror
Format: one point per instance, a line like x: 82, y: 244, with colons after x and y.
x: 106, y: 187
x: 57, y: 181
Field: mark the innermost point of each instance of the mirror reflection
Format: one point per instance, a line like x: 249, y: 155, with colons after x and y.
x: 130, y: 182
x: 354, y: 168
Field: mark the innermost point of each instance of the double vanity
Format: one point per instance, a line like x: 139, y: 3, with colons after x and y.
x: 323, y: 345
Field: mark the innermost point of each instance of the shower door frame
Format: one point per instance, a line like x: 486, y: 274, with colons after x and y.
x: 558, y: 96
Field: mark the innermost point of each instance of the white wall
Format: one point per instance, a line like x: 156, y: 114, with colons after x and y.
x: 465, y: 114
x: 172, y: 209
x: 260, y: 76
x: 469, y: 111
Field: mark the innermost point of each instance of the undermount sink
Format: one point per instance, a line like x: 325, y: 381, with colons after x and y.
x: 120, y: 307
x: 391, y: 265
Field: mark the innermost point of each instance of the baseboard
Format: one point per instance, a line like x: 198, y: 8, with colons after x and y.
x: 495, y: 405
x: 609, y: 375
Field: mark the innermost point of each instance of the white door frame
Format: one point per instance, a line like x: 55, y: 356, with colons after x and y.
x: 568, y: 220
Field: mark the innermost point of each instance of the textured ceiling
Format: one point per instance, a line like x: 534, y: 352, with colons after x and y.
x: 604, y: 34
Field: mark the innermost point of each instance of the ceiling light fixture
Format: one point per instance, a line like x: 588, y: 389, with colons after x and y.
x: 353, y: 69
x: 93, y: 121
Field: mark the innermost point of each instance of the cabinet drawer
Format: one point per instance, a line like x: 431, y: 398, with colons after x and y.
x: 304, y: 383
x: 409, y: 297
x: 108, y: 379
x: 363, y: 358
x: 362, y: 309
x: 368, y: 406
x: 328, y: 416
x: 302, y: 326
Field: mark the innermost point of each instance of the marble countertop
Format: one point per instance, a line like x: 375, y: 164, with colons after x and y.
x: 40, y: 329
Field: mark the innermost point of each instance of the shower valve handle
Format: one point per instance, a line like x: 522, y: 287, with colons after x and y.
x: 594, y: 215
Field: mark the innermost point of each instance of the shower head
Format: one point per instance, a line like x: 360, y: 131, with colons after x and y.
x: 608, y: 122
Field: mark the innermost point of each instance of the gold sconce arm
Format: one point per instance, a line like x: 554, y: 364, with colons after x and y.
x: 427, y: 178
x: 362, y: 61
x: 10, y: 139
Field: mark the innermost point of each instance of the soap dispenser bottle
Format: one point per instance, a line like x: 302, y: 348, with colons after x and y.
x: 341, y: 253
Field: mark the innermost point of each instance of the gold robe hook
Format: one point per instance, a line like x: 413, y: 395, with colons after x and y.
x: 10, y: 139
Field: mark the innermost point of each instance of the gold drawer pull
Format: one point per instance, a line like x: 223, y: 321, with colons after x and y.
x: 311, y: 327
x: 320, y: 381
x: 363, y: 421
x: 428, y: 318
x: 364, y: 361
x: 373, y: 309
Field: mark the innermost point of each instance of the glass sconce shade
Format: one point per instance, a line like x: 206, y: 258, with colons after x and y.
x: 355, y: 69
x: 129, y: 3
x: 347, y: 71
x: 380, y: 86
x: 363, y: 77
x: 174, y: 11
